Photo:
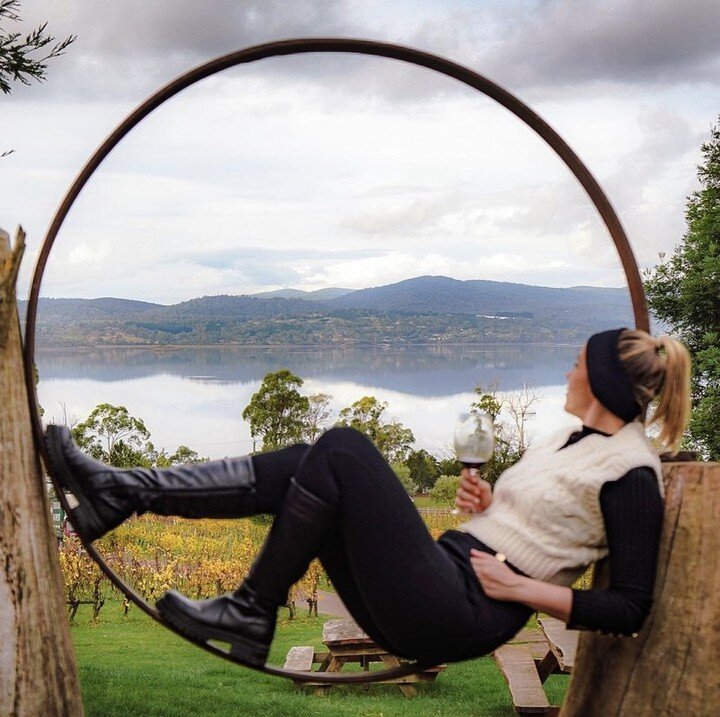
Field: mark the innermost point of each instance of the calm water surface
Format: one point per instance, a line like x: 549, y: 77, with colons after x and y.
x: 195, y: 396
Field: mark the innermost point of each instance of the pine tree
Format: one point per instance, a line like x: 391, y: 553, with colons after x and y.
x: 19, y: 61
x: 683, y: 290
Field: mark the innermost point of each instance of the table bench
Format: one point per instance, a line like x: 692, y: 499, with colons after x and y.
x: 347, y: 643
x: 531, y: 657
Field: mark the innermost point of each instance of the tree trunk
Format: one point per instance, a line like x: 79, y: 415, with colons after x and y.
x: 38, y: 677
x: 673, y: 666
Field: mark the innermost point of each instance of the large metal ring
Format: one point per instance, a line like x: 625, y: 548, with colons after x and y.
x: 296, y: 47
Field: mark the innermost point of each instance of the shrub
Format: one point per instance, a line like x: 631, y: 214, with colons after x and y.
x: 403, y: 474
x: 445, y: 488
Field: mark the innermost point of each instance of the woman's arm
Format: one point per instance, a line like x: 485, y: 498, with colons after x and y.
x: 502, y: 583
x: 633, y: 512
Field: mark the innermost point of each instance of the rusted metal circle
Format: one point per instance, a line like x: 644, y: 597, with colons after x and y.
x: 296, y: 47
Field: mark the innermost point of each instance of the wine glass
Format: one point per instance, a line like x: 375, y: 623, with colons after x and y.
x: 474, y: 440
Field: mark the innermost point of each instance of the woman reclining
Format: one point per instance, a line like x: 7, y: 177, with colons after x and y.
x: 573, y: 498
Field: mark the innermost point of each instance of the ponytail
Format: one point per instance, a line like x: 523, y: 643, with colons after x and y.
x: 659, y: 370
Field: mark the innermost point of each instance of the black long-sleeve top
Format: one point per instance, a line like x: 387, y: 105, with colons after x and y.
x: 632, y: 509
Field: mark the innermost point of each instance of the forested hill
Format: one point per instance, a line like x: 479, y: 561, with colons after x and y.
x: 439, y: 294
x: 421, y: 310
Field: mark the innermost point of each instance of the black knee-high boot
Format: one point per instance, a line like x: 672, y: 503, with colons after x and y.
x: 246, y: 617
x: 107, y: 496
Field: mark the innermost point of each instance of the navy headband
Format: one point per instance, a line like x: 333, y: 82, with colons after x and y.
x: 608, y: 380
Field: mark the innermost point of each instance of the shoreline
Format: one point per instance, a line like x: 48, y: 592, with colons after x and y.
x: 324, y: 347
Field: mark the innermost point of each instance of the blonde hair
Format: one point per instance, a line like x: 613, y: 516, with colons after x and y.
x: 659, y: 368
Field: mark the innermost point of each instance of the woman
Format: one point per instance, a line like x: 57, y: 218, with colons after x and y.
x: 572, y: 498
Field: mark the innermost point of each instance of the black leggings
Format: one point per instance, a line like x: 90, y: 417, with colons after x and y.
x: 415, y: 597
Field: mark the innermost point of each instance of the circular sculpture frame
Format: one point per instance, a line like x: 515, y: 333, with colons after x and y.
x: 295, y: 47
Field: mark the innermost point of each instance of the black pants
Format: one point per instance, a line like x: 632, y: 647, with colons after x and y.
x: 415, y: 597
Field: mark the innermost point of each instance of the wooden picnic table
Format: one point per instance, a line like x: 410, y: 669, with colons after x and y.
x: 531, y: 657
x: 347, y: 643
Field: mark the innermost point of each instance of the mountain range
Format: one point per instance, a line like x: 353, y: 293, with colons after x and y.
x: 426, y: 309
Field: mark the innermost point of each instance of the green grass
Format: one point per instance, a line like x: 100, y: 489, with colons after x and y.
x: 133, y: 666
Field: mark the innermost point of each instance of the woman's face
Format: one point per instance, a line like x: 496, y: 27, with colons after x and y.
x: 579, y: 397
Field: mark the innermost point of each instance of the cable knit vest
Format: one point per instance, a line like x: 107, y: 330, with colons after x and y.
x: 545, y: 514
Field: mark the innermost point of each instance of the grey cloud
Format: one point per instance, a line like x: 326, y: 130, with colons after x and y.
x: 126, y: 49
x: 561, y: 43
x: 186, y: 27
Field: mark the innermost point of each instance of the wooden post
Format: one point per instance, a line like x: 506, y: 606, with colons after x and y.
x: 673, y: 666
x: 38, y: 676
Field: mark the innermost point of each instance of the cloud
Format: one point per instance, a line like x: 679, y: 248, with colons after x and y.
x: 562, y: 43
x: 347, y: 170
x: 127, y: 49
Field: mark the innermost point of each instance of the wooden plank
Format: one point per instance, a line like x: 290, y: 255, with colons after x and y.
x: 547, y: 666
x: 518, y: 667
x: 339, y: 631
x: 300, y: 657
x: 563, y: 642
x: 390, y: 661
x: 357, y: 650
x: 529, y: 634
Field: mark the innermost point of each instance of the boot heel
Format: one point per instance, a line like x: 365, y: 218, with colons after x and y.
x: 250, y: 653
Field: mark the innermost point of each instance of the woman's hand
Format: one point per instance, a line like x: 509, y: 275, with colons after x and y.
x: 474, y: 494
x: 497, y: 579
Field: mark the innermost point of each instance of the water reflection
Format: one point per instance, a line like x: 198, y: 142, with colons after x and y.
x: 196, y: 395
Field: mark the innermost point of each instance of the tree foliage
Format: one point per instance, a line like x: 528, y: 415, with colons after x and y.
x: 403, y: 475
x: 445, y: 489
x: 23, y: 59
x: 277, y: 411
x: 112, y: 435
x: 508, y: 448
x: 317, y: 416
x: 424, y: 470
x: 450, y: 466
x: 683, y: 290
x: 392, y: 439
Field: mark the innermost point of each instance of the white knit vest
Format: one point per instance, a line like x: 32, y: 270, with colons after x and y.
x: 545, y: 514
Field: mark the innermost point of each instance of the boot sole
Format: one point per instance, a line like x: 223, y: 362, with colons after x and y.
x: 84, y: 518
x: 249, y: 652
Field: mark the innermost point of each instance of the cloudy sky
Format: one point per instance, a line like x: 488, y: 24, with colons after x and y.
x: 329, y: 170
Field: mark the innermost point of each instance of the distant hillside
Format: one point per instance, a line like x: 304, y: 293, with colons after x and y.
x: 319, y: 295
x: 440, y: 294
x: 426, y: 309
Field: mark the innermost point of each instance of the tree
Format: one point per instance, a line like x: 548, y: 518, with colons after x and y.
x: 395, y: 441
x: 317, y: 416
x: 519, y: 406
x: 392, y: 439
x: 403, y: 475
x: 506, y: 450
x: 277, y: 412
x: 683, y: 290
x: 487, y: 399
x: 424, y: 469
x: 445, y: 489
x: 38, y: 675
x: 183, y: 456
x: 18, y: 59
x: 110, y: 434
x: 450, y: 466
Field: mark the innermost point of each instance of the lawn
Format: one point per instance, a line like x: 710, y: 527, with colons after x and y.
x: 132, y: 666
